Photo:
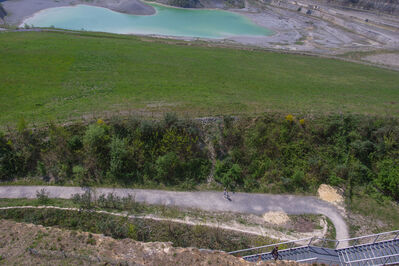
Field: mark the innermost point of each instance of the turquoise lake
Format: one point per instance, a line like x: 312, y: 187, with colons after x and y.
x: 200, y: 23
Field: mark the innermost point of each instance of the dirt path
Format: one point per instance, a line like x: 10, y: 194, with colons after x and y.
x: 209, y: 201
x: 258, y: 230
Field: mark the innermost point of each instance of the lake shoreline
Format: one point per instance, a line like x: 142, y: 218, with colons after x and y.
x: 171, y: 22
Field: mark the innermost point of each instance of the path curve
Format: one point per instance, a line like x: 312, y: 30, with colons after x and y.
x: 209, y: 201
x: 259, y: 232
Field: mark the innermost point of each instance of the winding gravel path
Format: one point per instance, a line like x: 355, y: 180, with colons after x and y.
x: 209, y: 201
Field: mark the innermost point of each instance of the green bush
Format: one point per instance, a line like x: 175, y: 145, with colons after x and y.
x: 85, y: 200
x: 229, y: 174
x: 96, y: 144
x: 388, y: 177
x: 168, y: 169
x: 43, y: 197
x: 9, y: 161
x: 121, y: 168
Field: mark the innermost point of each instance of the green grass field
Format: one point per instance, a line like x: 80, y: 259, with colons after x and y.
x: 65, y: 76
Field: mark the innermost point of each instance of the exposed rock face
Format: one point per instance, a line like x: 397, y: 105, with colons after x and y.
x: 132, y: 7
x: 222, y: 4
x: 387, y: 6
x: 3, y: 13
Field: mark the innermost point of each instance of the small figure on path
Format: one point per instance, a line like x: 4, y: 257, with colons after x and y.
x: 226, y: 194
x: 275, y: 253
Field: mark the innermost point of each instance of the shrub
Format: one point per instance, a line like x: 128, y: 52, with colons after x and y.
x: 228, y: 174
x: 43, y: 196
x: 388, y: 178
x: 9, y: 163
x: 170, y: 119
x: 289, y: 118
x: 120, y: 167
x: 85, y: 200
x: 80, y: 175
x: 96, y: 140
x: 299, y: 180
x: 167, y: 168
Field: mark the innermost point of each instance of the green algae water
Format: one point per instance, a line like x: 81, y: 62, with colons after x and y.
x: 166, y: 21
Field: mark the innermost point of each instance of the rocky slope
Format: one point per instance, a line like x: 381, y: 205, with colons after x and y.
x: 387, y: 6
x: 2, y: 12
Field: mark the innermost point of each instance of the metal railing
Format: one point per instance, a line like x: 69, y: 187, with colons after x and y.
x: 303, y: 242
x: 353, y: 242
x: 317, y: 242
x: 271, y: 246
x: 386, y: 257
x: 324, y: 261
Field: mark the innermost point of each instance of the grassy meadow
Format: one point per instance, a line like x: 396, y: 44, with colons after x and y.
x: 61, y: 76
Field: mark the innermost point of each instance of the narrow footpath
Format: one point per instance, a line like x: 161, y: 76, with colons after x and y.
x: 208, y: 201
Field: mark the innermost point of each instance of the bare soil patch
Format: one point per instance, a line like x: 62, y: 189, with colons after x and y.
x: 330, y: 194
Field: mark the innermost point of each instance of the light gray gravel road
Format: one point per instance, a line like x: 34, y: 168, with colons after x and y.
x: 209, y: 201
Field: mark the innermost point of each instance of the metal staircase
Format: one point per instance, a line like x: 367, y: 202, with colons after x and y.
x: 377, y: 249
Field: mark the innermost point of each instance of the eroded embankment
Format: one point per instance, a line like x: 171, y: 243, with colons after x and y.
x: 21, y: 243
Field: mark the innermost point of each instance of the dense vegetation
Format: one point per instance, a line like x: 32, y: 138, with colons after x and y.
x: 49, y: 75
x: 271, y: 153
x: 275, y: 154
x: 146, y: 230
x: 125, y: 152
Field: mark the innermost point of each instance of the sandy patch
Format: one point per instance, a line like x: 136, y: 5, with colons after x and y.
x: 384, y: 59
x: 276, y: 218
x: 330, y: 194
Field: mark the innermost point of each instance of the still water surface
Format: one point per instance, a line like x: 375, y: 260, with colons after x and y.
x: 167, y: 21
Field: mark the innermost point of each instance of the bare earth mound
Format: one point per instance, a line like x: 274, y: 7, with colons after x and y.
x: 27, y: 244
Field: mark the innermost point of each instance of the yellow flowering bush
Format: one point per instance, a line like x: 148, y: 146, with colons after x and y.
x: 289, y: 118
